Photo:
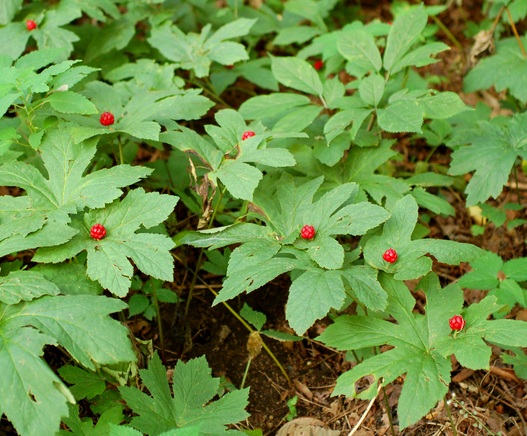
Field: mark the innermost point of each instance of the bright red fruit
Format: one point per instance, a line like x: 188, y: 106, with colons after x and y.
x: 307, y: 232
x: 390, y: 255
x: 107, y: 119
x: 456, y: 322
x: 98, y: 231
x: 31, y: 25
x: 247, y: 134
x: 318, y: 64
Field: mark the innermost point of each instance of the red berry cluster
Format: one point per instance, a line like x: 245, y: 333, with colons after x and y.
x: 456, y: 322
x: 307, y: 232
x: 107, y: 119
x: 31, y: 25
x: 247, y: 135
x: 318, y: 64
x: 390, y: 255
x: 98, y: 232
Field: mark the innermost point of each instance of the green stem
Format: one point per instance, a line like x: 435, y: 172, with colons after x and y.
x: 239, y: 318
x: 388, y: 410
x: 159, y: 323
x: 448, y: 33
x: 245, y: 373
x: 447, y: 407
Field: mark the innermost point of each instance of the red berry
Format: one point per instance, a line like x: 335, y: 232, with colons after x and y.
x: 318, y: 64
x: 107, y: 119
x: 307, y: 232
x: 456, y: 322
x: 247, y: 134
x: 390, y: 255
x: 98, y: 231
x: 31, y: 25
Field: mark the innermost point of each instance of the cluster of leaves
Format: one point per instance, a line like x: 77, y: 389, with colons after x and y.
x: 312, y: 150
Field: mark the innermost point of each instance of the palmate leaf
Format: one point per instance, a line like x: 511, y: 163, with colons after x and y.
x: 25, y: 285
x: 492, y: 152
x: 108, y: 258
x: 190, y: 407
x: 506, y: 69
x: 414, y: 337
x: 197, y: 52
x: 31, y: 395
x: 412, y: 261
x: 66, y: 189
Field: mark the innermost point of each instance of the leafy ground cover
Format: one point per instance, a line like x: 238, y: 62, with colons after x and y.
x: 263, y: 218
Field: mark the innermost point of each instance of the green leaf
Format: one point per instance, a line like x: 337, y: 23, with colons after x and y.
x: 68, y: 102
x: 414, y: 338
x: 223, y: 236
x: 297, y: 74
x: 85, y: 384
x: 311, y: 296
x: 24, y: 285
x: 442, y: 105
x: 401, y: 116
x: 80, y: 323
x: 108, y: 258
x: 404, y: 32
x: 257, y: 319
x: 420, y: 56
x: 31, y: 395
x: 492, y: 152
x: 412, y: 262
x: 504, y: 70
x: 271, y: 105
x: 358, y: 46
x: 67, y: 190
x: 250, y: 278
x: 239, y: 178
x: 191, y: 405
x: 326, y: 252
x: 433, y: 202
x: 365, y: 285
x: 484, y: 273
x: 371, y: 89
x: 8, y: 9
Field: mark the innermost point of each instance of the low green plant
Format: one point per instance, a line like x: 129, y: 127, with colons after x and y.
x: 115, y: 112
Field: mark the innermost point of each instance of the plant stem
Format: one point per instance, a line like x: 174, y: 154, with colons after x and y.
x: 159, y: 323
x: 239, y: 318
x: 448, y: 33
x: 200, y: 257
x: 515, y: 31
x: 245, y: 373
x: 447, y: 407
x: 388, y: 410
x: 363, y: 417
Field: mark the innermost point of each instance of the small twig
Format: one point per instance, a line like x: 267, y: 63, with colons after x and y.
x: 515, y: 31
x: 363, y: 417
x: 449, y: 413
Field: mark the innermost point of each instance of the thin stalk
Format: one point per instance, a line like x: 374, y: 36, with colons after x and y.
x: 447, y: 407
x: 363, y: 417
x: 388, y: 410
x: 448, y: 33
x: 200, y: 257
x: 159, y: 323
x: 515, y: 31
x: 245, y: 373
x: 239, y: 318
